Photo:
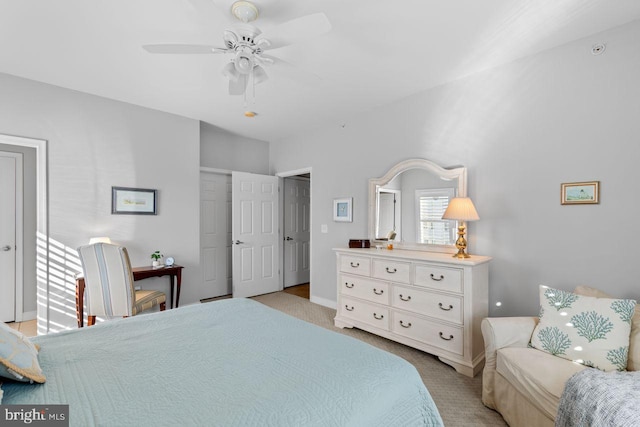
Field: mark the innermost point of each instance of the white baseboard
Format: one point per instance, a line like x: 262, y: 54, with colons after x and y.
x: 324, y: 302
x: 29, y: 315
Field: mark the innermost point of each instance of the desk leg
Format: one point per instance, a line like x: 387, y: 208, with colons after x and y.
x: 171, y: 291
x: 178, y: 282
x: 80, y: 302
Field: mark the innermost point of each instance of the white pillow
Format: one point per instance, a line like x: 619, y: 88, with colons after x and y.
x: 590, y: 331
x: 18, y: 357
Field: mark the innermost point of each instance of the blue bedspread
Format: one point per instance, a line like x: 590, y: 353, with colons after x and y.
x: 228, y: 363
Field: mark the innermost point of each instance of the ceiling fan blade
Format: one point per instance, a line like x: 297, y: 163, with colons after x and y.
x: 288, y: 70
x: 239, y: 86
x: 297, y: 30
x: 183, y: 49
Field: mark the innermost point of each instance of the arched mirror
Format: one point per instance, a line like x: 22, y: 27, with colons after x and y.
x: 407, y: 203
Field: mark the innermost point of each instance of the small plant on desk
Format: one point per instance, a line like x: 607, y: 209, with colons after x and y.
x: 156, y: 256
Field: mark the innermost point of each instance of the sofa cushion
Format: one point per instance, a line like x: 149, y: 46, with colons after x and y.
x: 591, y: 331
x: 538, y: 376
x: 634, y: 339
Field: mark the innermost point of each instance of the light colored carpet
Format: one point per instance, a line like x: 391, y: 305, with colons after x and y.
x: 457, y: 397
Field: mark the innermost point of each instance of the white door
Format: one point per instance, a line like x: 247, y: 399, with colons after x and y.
x: 255, y: 234
x: 8, y: 182
x: 297, y: 235
x: 215, y: 233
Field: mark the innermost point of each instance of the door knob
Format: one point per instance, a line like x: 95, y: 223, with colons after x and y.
x: 6, y: 248
x: 237, y: 242
x: 289, y: 238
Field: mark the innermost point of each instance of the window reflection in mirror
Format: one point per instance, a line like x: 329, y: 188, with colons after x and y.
x: 431, y: 228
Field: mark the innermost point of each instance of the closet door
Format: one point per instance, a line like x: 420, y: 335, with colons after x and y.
x: 215, y: 233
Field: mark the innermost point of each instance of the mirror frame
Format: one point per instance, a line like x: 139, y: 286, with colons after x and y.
x: 459, y: 173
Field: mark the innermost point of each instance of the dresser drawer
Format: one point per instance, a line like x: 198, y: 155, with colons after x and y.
x: 360, y: 287
x: 364, y: 312
x: 395, y: 271
x: 448, y: 338
x: 436, y: 277
x: 355, y: 265
x: 444, y: 307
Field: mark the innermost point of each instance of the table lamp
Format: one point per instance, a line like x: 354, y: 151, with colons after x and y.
x: 461, y: 209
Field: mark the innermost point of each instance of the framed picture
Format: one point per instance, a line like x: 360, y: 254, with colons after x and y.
x: 580, y: 193
x: 342, y: 210
x: 133, y: 201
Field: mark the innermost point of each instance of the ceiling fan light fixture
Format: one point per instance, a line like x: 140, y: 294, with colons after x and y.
x: 230, y: 72
x: 245, y: 11
x: 243, y: 63
x: 259, y: 75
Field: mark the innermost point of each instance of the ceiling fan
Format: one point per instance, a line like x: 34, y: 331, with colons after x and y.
x: 247, y: 45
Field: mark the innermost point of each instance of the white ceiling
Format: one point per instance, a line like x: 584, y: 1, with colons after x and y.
x: 377, y: 51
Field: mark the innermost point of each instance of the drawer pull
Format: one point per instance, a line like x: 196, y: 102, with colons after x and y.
x: 348, y: 285
x: 405, y: 325
x: 391, y: 270
x: 347, y: 307
x: 354, y: 265
x: 446, y: 339
x: 436, y: 279
x: 378, y: 318
x: 445, y: 309
x: 407, y: 299
x: 375, y: 291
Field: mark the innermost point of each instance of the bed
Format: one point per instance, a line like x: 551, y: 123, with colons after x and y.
x: 233, y: 362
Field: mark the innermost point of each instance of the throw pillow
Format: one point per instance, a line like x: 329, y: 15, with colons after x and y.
x: 633, y: 364
x: 587, y: 330
x: 1, y: 393
x: 18, y: 357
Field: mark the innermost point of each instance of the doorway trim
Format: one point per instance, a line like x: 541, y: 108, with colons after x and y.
x: 287, y: 174
x: 42, y: 227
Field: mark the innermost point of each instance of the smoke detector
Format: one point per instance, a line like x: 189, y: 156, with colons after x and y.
x: 598, y: 49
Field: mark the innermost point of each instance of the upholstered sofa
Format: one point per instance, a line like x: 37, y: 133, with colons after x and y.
x: 525, y: 384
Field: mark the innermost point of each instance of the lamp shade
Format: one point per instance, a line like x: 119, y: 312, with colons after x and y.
x: 461, y: 209
x: 99, y: 240
x: 230, y: 72
x: 259, y: 75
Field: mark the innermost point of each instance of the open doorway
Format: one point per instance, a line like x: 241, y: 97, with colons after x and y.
x: 296, y: 235
x: 216, y: 237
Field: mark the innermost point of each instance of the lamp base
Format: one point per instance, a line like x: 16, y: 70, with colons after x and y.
x: 461, y: 254
x: 461, y: 243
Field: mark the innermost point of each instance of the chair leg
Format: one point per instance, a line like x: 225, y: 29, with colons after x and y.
x: 91, y: 320
x: 163, y: 306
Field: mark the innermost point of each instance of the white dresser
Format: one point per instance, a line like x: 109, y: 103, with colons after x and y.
x: 427, y: 300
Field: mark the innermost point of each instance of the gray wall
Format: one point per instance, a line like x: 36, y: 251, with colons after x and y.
x: 94, y: 144
x: 29, y: 222
x: 220, y: 149
x: 522, y: 129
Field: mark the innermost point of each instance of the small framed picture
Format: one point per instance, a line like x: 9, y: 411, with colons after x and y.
x: 133, y: 201
x: 580, y: 193
x: 342, y: 210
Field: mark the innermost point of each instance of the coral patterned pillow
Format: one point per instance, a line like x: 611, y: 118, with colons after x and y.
x: 18, y: 357
x: 590, y: 331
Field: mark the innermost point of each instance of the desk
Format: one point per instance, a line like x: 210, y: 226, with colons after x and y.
x: 139, y: 273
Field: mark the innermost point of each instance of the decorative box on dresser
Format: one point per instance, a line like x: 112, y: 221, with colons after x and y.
x: 427, y: 300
